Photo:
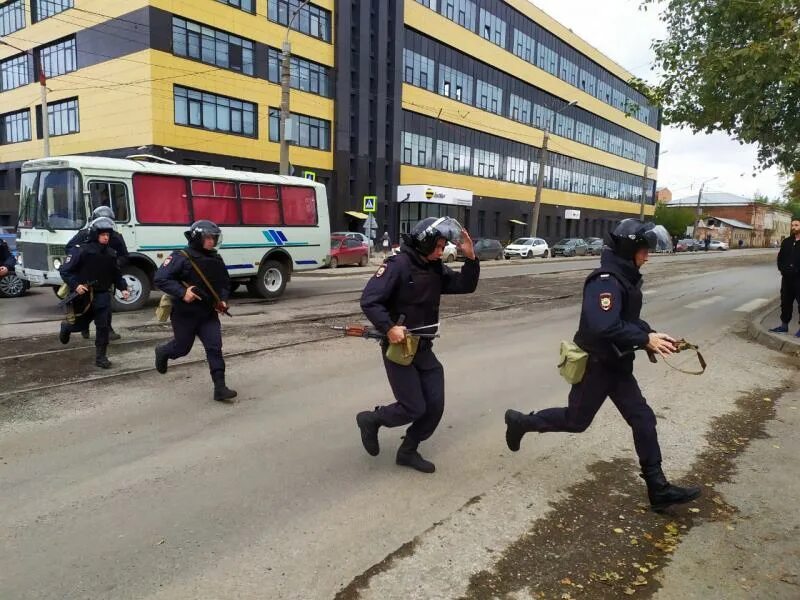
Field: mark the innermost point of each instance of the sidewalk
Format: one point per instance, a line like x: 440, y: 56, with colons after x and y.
x: 759, y: 327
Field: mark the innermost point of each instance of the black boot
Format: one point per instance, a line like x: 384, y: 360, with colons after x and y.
x: 663, y: 494
x: 113, y: 335
x: 369, y: 423
x: 161, y: 359
x: 101, y: 360
x: 516, y: 427
x: 408, y: 456
x: 63, y: 334
x: 85, y: 334
x: 221, y: 391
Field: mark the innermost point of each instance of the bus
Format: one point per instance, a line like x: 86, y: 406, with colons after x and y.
x: 272, y: 225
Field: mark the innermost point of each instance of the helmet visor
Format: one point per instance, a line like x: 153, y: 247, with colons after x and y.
x: 217, y: 237
x: 658, y: 239
x: 450, y: 229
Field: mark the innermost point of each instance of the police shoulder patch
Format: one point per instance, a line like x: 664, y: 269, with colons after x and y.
x: 606, y: 301
x: 167, y: 261
x: 69, y: 258
x: 381, y: 270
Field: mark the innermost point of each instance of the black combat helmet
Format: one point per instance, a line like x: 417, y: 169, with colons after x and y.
x: 424, y: 234
x: 198, y: 229
x: 103, y: 211
x: 100, y: 225
x: 632, y: 234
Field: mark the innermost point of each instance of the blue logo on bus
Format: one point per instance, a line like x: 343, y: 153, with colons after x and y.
x: 275, y: 236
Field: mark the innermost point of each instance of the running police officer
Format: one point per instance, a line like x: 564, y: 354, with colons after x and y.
x: 407, y: 289
x: 90, y: 269
x: 610, y: 330
x: 197, y: 280
x: 7, y: 261
x: 117, y: 243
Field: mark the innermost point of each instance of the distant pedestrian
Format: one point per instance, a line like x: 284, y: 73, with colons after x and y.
x: 707, y: 243
x: 741, y: 244
x: 385, y: 243
x: 789, y: 266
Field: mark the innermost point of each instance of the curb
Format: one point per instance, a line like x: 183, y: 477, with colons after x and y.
x: 772, y: 341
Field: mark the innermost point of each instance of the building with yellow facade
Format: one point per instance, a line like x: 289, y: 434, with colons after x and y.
x: 432, y: 107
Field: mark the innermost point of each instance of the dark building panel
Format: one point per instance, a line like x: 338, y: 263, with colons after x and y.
x: 114, y: 38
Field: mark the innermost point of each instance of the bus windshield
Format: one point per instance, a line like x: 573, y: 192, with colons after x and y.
x: 51, y: 200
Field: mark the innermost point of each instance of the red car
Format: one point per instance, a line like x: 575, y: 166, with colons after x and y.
x: 348, y: 251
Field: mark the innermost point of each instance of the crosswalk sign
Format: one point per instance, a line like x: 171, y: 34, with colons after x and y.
x: 370, y: 202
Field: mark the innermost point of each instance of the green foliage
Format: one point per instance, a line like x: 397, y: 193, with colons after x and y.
x: 733, y: 66
x: 674, y: 220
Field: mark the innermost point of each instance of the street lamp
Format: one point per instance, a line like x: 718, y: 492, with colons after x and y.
x: 285, y: 77
x: 699, y: 198
x: 537, y: 203
x: 644, y: 188
x: 43, y: 89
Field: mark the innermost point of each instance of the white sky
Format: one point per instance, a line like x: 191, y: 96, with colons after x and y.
x: 624, y: 33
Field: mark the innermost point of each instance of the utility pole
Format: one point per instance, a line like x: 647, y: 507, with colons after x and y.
x: 45, y: 115
x: 699, y: 198
x: 286, y: 55
x: 537, y: 202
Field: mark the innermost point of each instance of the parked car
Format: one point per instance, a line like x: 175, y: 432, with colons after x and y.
x: 687, y: 245
x: 718, y: 245
x: 594, y: 246
x: 570, y: 247
x: 12, y: 286
x: 527, y: 248
x: 354, y: 235
x: 347, y: 251
x: 485, y: 249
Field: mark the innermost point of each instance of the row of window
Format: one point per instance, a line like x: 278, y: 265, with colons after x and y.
x: 310, y: 132
x: 245, y: 5
x: 212, y: 46
x: 165, y: 200
x: 62, y: 119
x: 434, y: 144
x: 12, y: 14
x: 444, y: 70
x: 538, y: 46
x: 311, y: 19
x: 304, y: 75
x: 53, y: 59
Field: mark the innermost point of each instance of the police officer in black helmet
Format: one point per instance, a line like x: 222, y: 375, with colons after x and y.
x: 610, y: 331
x: 90, y: 269
x: 116, y: 242
x: 197, y: 301
x: 407, y: 288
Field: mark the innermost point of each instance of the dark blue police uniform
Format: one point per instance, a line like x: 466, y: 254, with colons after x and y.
x: 411, y: 286
x: 199, y: 318
x: 116, y: 241
x: 6, y: 258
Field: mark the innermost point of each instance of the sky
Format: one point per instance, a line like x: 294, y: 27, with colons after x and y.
x: 624, y: 33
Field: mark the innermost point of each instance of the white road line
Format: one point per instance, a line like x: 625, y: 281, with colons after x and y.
x: 650, y: 292
x: 752, y: 305
x: 704, y: 302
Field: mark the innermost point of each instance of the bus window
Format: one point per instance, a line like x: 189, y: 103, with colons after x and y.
x: 260, y: 205
x: 113, y: 194
x: 52, y: 200
x: 160, y: 200
x: 215, y: 201
x: 299, y: 205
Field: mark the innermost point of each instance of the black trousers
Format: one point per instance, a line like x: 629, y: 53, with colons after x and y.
x: 186, y: 326
x: 790, y: 293
x: 419, y: 391
x: 586, y: 398
x: 100, y: 313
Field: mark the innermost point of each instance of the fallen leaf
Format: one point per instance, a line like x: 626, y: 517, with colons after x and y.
x: 767, y: 399
x: 566, y: 581
x: 630, y: 591
x: 618, y: 530
x: 640, y: 580
x: 694, y: 510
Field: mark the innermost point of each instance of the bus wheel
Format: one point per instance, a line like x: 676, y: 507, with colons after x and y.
x: 271, y: 279
x: 138, y: 288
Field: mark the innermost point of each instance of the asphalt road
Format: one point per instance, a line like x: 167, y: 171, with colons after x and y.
x: 139, y: 486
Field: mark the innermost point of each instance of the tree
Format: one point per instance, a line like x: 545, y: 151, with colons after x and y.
x: 733, y: 66
x: 791, y: 195
x: 674, y: 220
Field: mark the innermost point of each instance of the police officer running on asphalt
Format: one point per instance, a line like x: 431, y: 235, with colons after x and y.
x: 610, y: 331
x: 90, y: 269
x: 408, y: 288
x: 117, y: 243
x: 197, y: 301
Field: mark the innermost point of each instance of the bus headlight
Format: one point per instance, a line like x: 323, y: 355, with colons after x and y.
x: 56, y: 263
x: 19, y: 258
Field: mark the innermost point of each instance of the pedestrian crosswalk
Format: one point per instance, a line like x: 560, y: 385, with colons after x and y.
x: 748, y: 306
x: 752, y: 305
x: 704, y: 302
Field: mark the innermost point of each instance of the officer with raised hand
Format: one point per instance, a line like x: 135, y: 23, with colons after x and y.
x: 403, y: 296
x: 610, y: 331
x: 116, y: 243
x: 90, y: 269
x: 197, y: 280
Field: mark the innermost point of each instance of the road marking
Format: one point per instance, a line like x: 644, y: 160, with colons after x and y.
x: 752, y: 305
x: 649, y: 292
x: 704, y: 302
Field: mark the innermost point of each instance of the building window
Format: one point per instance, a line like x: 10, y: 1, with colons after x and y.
x: 565, y: 126
x: 245, y: 5
x: 492, y: 28
x: 418, y: 70
x: 516, y: 170
x: 212, y: 46
x: 452, y: 157
x: 524, y: 46
x: 15, y: 127
x: 311, y: 20
x: 12, y: 17
x: 428, y: 3
x: 41, y: 9
x: 195, y: 108
x: 519, y: 109
x: 59, y: 58
x: 588, y: 82
x: 455, y: 84
x: 62, y: 118
x: 547, y: 59
x: 569, y: 72
x: 304, y: 75
x: 490, y: 97
x: 486, y: 164
x: 310, y: 132
x: 417, y: 150
x: 16, y: 72
x: 460, y: 11
x: 542, y: 116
